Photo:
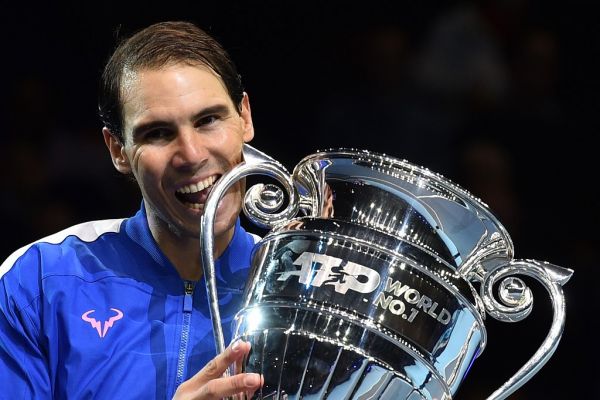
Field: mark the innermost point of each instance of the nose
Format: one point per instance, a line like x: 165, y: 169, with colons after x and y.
x: 190, y: 150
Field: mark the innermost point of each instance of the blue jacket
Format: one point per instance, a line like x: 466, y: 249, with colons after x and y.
x: 97, y: 311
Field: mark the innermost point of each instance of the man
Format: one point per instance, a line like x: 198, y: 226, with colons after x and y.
x: 117, y: 308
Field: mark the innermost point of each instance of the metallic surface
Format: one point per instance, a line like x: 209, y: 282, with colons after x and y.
x: 255, y: 162
x: 372, y: 292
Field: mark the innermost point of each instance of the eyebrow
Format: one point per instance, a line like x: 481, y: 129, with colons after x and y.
x: 144, y: 127
x: 216, y: 109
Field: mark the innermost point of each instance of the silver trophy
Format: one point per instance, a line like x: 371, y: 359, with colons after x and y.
x: 374, y: 280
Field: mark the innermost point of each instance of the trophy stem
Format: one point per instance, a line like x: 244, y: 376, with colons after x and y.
x: 207, y: 249
x: 255, y: 162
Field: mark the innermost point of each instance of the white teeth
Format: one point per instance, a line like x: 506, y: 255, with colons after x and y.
x: 195, y: 206
x: 197, y: 187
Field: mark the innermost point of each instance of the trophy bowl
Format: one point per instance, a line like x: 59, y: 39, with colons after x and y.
x: 374, y: 281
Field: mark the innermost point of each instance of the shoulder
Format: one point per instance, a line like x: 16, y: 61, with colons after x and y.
x: 65, y: 253
x: 87, y: 232
x: 243, y: 242
x: 254, y: 237
x: 234, y: 264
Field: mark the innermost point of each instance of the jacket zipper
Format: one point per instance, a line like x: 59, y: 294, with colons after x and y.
x: 185, y: 331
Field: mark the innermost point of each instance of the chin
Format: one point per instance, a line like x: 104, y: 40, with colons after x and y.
x: 227, y: 213
x: 224, y: 224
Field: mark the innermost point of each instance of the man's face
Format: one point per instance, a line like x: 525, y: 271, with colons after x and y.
x: 181, y: 133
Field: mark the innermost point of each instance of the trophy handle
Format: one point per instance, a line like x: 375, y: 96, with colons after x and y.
x: 261, y: 208
x: 517, y: 304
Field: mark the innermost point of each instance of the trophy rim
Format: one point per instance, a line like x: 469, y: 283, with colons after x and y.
x: 434, y: 180
x: 385, y: 159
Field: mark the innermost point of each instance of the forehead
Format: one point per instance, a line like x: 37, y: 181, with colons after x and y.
x: 169, y: 79
x: 170, y: 91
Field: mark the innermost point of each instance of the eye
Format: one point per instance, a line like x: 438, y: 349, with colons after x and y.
x: 157, y: 134
x: 207, y: 120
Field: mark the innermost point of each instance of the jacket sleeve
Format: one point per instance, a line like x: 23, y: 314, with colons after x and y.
x: 23, y: 356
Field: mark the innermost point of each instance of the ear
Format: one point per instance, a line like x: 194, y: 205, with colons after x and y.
x: 246, y: 115
x: 117, y: 152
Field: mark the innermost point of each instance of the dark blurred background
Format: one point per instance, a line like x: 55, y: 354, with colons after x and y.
x: 499, y: 96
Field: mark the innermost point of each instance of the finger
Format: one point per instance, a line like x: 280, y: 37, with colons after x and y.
x: 229, y: 386
x: 217, y: 366
x: 250, y: 393
x: 239, y: 368
x: 240, y: 362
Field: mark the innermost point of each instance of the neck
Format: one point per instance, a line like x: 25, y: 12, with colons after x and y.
x: 183, y: 251
x: 184, y: 255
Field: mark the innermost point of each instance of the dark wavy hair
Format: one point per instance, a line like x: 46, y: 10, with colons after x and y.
x: 159, y: 45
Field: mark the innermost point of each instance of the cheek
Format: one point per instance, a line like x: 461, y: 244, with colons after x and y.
x: 229, y: 143
x: 146, y: 167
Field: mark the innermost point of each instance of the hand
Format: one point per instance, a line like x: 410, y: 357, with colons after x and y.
x: 209, y: 383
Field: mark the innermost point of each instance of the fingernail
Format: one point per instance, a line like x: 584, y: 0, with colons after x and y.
x: 251, y: 379
x: 236, y: 345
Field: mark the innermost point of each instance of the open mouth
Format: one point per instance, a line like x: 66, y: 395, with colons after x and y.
x: 194, y: 196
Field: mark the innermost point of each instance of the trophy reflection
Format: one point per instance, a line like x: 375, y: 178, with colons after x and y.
x: 374, y: 280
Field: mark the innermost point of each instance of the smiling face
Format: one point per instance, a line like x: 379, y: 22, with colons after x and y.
x: 182, y: 132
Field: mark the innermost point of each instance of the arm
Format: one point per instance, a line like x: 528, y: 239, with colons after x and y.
x: 23, y: 362
x: 209, y: 383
